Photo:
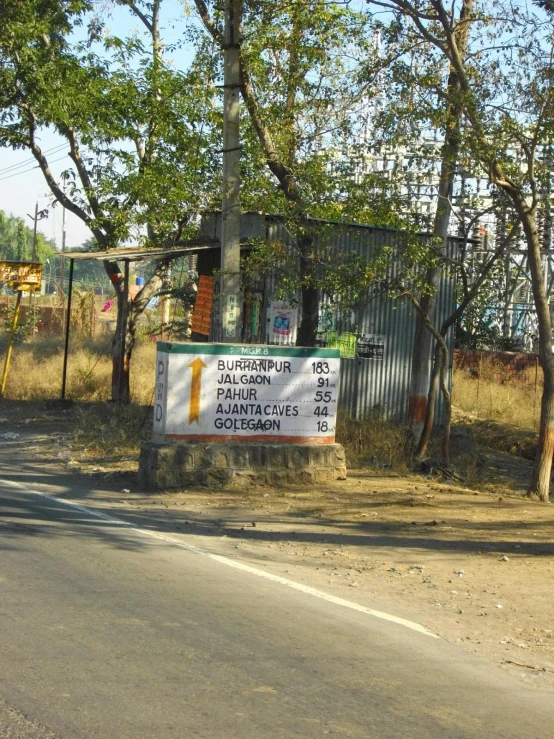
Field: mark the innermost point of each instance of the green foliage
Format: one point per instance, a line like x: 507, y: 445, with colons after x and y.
x: 142, y: 135
x: 16, y: 239
x: 271, y: 257
x: 348, y: 278
x: 479, y: 332
x: 140, y: 131
x: 315, y: 71
x: 183, y: 294
x: 305, y: 62
x: 24, y: 329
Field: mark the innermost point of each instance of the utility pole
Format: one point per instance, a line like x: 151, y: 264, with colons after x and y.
x: 62, y: 260
x: 230, y: 216
x: 35, y: 222
x: 66, y: 308
x: 34, y: 253
x: 33, y: 259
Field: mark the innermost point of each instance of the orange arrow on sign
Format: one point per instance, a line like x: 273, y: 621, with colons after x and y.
x: 196, y: 383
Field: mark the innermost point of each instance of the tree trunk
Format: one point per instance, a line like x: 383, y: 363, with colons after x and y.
x: 420, y: 386
x: 165, y: 305
x: 419, y: 381
x: 307, y: 331
x: 540, y: 478
x: 438, y: 379
x: 121, y: 389
x: 429, y: 407
x: 441, y: 356
x: 447, y: 398
x: 128, y: 313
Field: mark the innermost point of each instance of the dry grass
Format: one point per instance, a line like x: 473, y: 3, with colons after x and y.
x: 495, y: 395
x: 36, y: 371
x: 102, y: 432
x: 143, y: 373
x: 374, y: 442
x: 111, y: 433
x: 36, y: 374
x: 500, y: 411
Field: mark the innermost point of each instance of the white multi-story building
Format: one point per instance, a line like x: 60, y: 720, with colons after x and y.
x: 481, y: 215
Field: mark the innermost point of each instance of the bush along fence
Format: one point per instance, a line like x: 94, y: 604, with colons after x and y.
x: 500, y: 366
x: 44, y: 319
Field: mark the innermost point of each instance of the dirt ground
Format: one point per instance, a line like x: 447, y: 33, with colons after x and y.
x: 474, y: 566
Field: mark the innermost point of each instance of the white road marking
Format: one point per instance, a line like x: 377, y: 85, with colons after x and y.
x: 229, y: 562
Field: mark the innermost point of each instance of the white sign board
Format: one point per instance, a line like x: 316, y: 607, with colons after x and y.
x: 233, y: 393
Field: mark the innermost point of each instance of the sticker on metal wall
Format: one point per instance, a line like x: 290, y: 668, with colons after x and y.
x: 371, y: 346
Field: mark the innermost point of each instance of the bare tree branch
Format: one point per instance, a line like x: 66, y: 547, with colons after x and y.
x: 211, y: 26
x: 138, y: 12
x: 57, y: 191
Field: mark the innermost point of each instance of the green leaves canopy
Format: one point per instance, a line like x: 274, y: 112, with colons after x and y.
x: 141, y: 135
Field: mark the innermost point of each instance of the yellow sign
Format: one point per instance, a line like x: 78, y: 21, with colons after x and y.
x: 21, y: 275
x: 195, y: 389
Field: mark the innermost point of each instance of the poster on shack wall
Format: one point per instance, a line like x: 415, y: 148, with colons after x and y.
x: 282, y: 323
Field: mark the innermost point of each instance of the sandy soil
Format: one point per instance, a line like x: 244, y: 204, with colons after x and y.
x: 475, y: 567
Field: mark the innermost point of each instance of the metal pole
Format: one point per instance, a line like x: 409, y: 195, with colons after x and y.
x: 62, y: 261
x: 67, y: 324
x: 124, y: 320
x: 10, y: 343
x: 230, y: 216
x: 34, y: 259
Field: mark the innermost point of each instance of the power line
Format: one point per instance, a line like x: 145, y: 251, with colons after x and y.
x: 15, y: 174
x: 24, y: 163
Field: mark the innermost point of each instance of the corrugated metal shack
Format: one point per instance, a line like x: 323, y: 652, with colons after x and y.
x: 375, y: 338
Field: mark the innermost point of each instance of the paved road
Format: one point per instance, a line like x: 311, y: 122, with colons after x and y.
x: 106, y: 632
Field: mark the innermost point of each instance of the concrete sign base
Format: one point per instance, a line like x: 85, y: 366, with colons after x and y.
x: 163, y: 466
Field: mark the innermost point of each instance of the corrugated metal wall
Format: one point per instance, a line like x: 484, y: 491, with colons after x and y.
x: 368, y: 385
x: 375, y: 385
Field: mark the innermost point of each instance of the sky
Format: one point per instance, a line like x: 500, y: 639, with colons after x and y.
x: 22, y: 184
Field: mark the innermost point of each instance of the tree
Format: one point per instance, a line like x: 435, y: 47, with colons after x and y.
x: 16, y: 237
x: 419, y: 380
x: 505, y: 95
x: 140, y: 134
x: 21, y: 242
x: 301, y: 87
x: 467, y: 293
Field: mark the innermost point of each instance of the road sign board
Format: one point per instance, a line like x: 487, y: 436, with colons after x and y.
x: 245, y: 392
x: 21, y: 275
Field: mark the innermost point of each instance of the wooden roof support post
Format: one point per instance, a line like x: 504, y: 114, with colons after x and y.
x: 123, y: 368
x: 67, y: 326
